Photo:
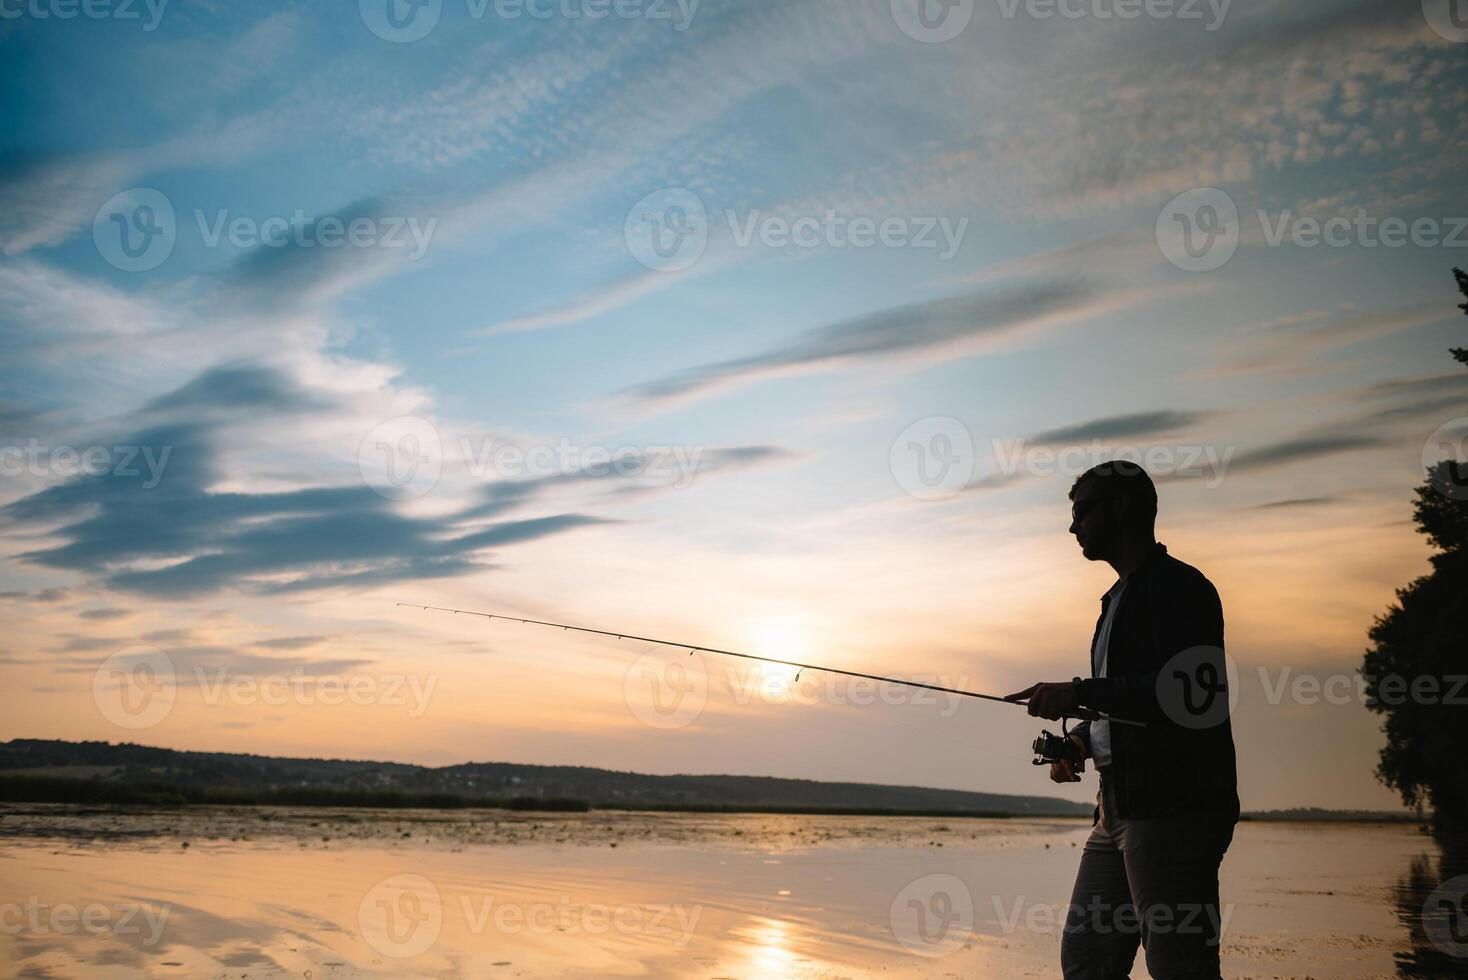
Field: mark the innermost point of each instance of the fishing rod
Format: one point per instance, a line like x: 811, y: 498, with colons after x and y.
x: 1048, y: 748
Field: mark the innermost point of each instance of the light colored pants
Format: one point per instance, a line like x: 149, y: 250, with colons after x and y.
x: 1152, y: 882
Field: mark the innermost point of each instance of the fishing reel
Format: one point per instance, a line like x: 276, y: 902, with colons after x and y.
x: 1051, y: 748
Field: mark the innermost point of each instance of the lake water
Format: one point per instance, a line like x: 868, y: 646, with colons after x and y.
x: 270, y: 892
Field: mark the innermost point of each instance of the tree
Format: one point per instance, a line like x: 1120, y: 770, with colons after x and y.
x: 1462, y: 277
x: 1423, y: 641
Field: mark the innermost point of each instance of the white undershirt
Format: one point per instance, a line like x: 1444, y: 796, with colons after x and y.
x: 1101, y: 730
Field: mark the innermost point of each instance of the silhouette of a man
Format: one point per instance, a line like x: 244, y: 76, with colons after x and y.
x: 1168, y: 801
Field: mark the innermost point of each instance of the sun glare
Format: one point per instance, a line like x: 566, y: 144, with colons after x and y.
x: 780, y: 640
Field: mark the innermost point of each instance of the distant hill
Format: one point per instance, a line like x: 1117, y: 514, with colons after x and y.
x: 34, y: 769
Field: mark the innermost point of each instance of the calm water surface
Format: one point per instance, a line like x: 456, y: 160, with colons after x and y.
x: 255, y: 893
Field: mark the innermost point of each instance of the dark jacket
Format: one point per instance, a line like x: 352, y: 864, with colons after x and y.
x: 1166, y: 646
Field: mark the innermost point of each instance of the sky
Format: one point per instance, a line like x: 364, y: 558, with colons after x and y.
x: 776, y: 326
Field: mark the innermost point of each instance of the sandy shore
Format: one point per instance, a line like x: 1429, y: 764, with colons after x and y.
x: 255, y: 893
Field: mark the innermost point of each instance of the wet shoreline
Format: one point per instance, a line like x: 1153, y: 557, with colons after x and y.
x: 257, y: 893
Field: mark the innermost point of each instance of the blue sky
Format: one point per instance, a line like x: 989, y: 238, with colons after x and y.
x: 503, y: 170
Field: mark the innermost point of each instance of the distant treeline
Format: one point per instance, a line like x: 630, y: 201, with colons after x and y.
x: 233, y: 776
x: 52, y: 789
x: 55, y: 789
x: 59, y: 789
x: 808, y: 810
x: 1333, y: 816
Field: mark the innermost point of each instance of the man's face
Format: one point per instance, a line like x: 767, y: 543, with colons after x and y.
x: 1092, y: 522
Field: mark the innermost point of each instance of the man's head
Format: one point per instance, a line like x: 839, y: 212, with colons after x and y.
x: 1112, y: 504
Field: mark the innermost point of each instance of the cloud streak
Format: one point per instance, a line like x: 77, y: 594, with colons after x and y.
x: 929, y: 328
x: 1135, y: 426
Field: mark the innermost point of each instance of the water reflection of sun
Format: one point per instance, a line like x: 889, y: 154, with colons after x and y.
x: 769, y: 948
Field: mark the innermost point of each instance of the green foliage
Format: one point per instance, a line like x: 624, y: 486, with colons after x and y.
x: 1423, y: 639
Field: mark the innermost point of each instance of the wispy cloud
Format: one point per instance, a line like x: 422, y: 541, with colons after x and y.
x: 1287, y: 452
x: 930, y: 328
x: 1291, y: 344
x: 105, y: 615
x: 1134, y: 426
x: 173, y: 534
x: 629, y: 477
x: 1297, y: 502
